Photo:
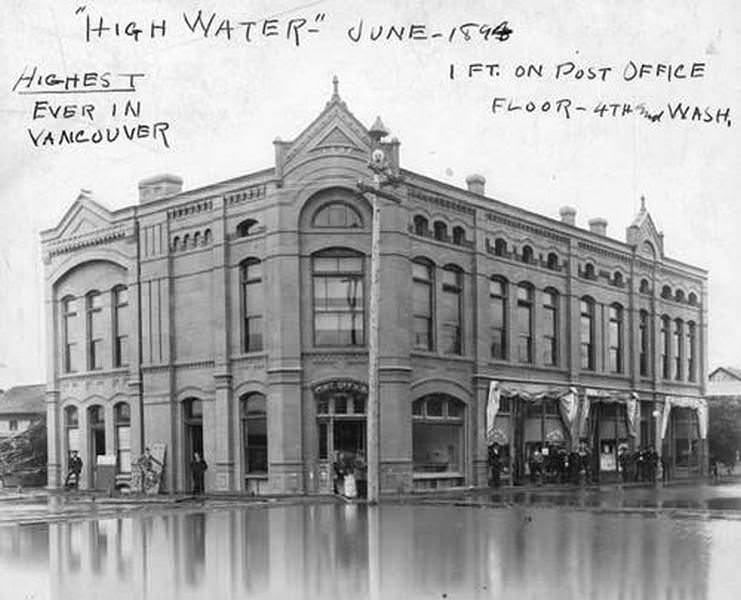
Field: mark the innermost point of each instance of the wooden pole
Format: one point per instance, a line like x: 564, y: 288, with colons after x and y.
x: 373, y: 409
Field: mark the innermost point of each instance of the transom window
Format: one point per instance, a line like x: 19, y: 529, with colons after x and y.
x: 337, y: 214
x: 437, y: 407
x: 338, y: 298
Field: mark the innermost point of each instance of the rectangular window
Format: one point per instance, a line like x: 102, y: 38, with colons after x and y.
x: 665, y: 347
x: 422, y: 306
x: 498, y: 319
x: 643, y: 341
x: 586, y: 332
x: 524, y: 324
x: 70, y: 358
x: 451, y: 312
x: 95, y: 331
x: 678, y: 349
x: 550, y: 331
x: 123, y: 445
x: 691, y: 352
x: 120, y: 323
x: 253, y: 306
x: 338, y: 301
x: 616, y: 339
x: 13, y: 425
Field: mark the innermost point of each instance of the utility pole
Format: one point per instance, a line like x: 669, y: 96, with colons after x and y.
x: 379, y: 166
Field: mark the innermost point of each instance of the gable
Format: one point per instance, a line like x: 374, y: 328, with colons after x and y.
x: 85, y: 215
x: 644, y: 235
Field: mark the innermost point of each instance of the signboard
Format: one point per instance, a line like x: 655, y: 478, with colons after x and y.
x: 105, y: 471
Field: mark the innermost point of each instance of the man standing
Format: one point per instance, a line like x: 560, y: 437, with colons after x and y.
x: 495, y: 466
x: 198, y: 467
x: 74, y: 470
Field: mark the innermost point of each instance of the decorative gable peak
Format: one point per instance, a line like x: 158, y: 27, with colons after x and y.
x: 643, y: 235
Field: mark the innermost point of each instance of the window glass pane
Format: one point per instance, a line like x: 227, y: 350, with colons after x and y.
x: 340, y: 405
x: 420, y: 271
x: 350, y: 264
x: 323, y: 451
x: 437, y: 448
x: 496, y: 288
x: 195, y: 408
x: 418, y: 407
x: 434, y: 406
x: 421, y: 299
x: 523, y: 293
x: 359, y: 405
x: 325, y: 264
x: 450, y: 278
x: 455, y: 408
x: 95, y: 301
x: 322, y: 406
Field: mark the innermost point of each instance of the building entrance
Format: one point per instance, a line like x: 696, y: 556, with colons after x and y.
x: 193, y: 437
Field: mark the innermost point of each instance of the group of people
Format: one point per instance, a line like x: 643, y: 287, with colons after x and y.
x: 640, y: 465
x: 148, y: 470
x: 350, y: 474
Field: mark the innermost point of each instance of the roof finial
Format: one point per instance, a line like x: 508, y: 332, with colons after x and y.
x: 335, y: 88
x: 643, y: 202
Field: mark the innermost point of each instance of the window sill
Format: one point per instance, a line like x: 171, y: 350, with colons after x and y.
x: 260, y: 476
x: 95, y: 373
x: 440, y: 475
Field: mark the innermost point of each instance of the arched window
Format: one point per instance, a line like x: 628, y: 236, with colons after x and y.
x: 339, y: 302
x: 186, y: 241
x: 253, y: 304
x: 498, y: 318
x: 459, y: 235
x: 678, y: 348
x: 422, y: 308
x: 95, y: 330
x: 679, y: 296
x: 616, y: 338
x: 552, y: 262
x: 586, y: 334
x: 196, y: 239
x: 589, y: 271
x: 644, y: 343
x: 550, y: 327
x: 645, y: 287
x: 692, y: 299
x: 525, y: 323
x: 120, y: 326
x: 254, y: 434
x: 617, y: 279
x: 246, y: 228
x: 420, y: 225
x: 451, y: 333
x: 691, y: 351
x: 437, y: 434
x: 665, y: 346
x: 337, y: 214
x: 122, y: 424
x: 69, y: 346
x: 440, y: 231
x: 666, y: 292
x: 527, y: 255
x: 207, y: 237
x: 176, y: 243
x: 500, y: 247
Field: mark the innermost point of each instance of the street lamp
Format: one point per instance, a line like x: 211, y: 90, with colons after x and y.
x: 382, y: 175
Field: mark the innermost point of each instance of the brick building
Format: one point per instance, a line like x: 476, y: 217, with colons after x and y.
x: 232, y: 320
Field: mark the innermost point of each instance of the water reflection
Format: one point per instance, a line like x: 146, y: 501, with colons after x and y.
x: 350, y: 551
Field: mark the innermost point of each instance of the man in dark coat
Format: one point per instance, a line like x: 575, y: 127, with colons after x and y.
x: 75, y: 468
x: 198, y: 467
x: 495, y: 466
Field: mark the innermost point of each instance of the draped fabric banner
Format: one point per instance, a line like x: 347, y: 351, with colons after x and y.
x: 584, y: 417
x: 492, y: 408
x: 698, y: 404
x: 631, y: 413
x: 569, y: 407
x: 629, y: 399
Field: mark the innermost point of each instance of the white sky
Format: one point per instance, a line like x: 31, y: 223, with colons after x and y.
x: 227, y: 100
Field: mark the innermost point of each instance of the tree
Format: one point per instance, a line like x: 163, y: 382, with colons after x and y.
x: 724, y: 429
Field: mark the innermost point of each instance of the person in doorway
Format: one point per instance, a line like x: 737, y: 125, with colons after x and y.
x: 495, y: 466
x: 74, y: 470
x: 198, y: 468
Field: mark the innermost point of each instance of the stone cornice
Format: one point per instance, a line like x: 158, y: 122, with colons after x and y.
x: 93, y: 238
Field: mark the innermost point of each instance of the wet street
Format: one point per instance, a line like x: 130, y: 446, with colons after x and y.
x: 673, y: 542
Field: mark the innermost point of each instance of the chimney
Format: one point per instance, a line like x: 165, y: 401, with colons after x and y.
x: 598, y: 226
x: 159, y: 186
x: 476, y: 184
x: 568, y: 215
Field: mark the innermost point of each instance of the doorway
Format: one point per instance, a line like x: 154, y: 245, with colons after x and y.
x: 193, y: 421
x: 96, y: 419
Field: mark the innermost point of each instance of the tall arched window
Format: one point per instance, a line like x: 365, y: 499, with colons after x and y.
x: 645, y: 287
x: 617, y: 279
x: 122, y: 424
x: 550, y: 327
x: 679, y: 296
x: 459, y: 235
x: 246, y: 227
x: 678, y: 348
x: 500, y: 247
x: 666, y: 292
x: 451, y: 334
x: 440, y: 231
x: 96, y: 425
x: 691, y: 351
x: 253, y: 304
x: 420, y: 225
x: 337, y: 214
x: 437, y: 434
x: 589, y: 271
x: 692, y: 299
x: 196, y: 239
x: 339, y: 301
x: 552, y: 262
x: 665, y: 347
x: 95, y: 330
x: 498, y: 318
x: 69, y: 346
x: 422, y: 304
x: 527, y: 255
x: 254, y: 434
x: 72, y: 428
x: 616, y: 338
x: 120, y: 326
x: 525, y: 323
x: 586, y: 334
x: 643, y: 332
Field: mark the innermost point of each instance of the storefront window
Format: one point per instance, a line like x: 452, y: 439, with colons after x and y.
x: 437, y: 434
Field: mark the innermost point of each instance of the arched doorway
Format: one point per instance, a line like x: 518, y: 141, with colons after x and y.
x: 341, y: 425
x: 438, y: 441
x: 96, y: 439
x: 193, y: 439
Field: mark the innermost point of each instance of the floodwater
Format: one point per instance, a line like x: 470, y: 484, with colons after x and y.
x: 349, y: 551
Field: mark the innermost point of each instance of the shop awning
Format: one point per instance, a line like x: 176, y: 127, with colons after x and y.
x: 698, y: 404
